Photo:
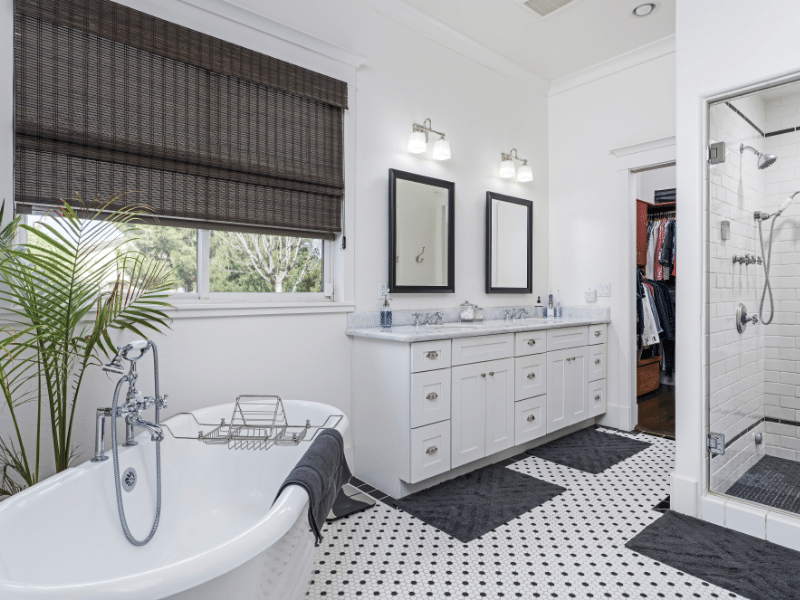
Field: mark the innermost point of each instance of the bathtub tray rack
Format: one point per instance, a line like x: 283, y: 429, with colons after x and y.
x: 258, y: 423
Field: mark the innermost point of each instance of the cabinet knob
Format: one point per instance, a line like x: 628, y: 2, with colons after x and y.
x: 569, y: 359
x: 432, y: 396
x: 431, y: 450
x: 573, y: 358
x: 597, y: 361
x: 597, y: 397
x: 483, y: 374
x: 531, y: 375
x: 597, y: 333
x: 432, y: 354
x: 531, y: 342
x: 531, y: 418
x: 491, y: 373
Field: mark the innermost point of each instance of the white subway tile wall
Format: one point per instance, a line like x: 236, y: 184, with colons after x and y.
x: 737, y: 361
x: 782, y: 376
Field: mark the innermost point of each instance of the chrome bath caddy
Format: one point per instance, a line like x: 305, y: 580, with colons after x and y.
x: 258, y: 423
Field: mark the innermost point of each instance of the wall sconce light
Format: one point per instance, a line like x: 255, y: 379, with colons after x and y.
x: 418, y: 141
x: 508, y: 167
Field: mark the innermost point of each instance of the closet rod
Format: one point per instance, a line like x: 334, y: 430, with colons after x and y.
x: 654, y: 167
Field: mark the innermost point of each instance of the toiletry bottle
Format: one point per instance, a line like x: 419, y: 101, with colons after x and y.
x: 559, y: 310
x: 386, y: 313
x: 550, y: 310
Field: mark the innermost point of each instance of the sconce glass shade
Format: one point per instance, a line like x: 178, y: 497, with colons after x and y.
x: 525, y: 173
x: 417, y: 143
x: 441, y: 150
x: 507, y: 170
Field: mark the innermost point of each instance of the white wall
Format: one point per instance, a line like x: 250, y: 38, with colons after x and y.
x: 765, y: 36
x: 647, y: 182
x: 406, y: 78
x: 589, y: 217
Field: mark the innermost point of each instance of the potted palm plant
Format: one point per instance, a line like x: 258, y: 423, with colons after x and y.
x: 77, y: 279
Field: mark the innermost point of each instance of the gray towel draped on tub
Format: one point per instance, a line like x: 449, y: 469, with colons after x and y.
x: 321, y: 473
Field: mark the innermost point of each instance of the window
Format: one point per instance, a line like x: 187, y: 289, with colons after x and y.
x: 239, y: 263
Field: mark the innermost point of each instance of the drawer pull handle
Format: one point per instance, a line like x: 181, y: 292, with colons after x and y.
x: 573, y: 358
x: 491, y: 373
x: 597, y: 361
x: 432, y: 354
x: 431, y: 450
x: 597, y: 397
x: 432, y: 396
x: 531, y: 375
x: 483, y: 374
x: 531, y: 418
x: 569, y: 359
x: 597, y: 333
x: 531, y: 342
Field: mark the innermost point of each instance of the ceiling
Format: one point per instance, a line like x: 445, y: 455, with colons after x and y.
x: 582, y: 34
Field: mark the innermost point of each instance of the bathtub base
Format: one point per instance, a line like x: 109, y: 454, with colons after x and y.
x: 283, y: 571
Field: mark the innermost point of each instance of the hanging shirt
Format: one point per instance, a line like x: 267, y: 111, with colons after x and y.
x: 650, y: 335
x: 652, y: 239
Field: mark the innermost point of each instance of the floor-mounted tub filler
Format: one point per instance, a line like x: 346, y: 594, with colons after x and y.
x: 219, y: 534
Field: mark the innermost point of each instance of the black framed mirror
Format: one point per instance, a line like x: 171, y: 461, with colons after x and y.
x: 421, y: 234
x: 509, y: 244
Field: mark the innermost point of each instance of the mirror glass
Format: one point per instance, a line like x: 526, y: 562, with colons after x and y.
x: 509, y: 224
x: 421, y: 232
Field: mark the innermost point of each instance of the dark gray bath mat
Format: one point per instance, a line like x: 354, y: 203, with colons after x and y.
x: 748, y: 566
x: 474, y: 504
x: 589, y: 450
x: 772, y: 481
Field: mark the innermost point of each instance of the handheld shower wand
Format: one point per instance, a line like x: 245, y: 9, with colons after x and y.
x: 767, y: 256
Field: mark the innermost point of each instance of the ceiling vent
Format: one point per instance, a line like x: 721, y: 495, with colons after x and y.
x: 545, y: 8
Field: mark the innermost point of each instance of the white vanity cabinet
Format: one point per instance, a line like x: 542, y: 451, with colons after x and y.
x: 482, y: 410
x: 421, y: 409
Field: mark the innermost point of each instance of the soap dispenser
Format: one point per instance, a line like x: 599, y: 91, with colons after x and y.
x: 386, y: 313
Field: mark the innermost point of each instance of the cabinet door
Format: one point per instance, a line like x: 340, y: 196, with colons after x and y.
x: 499, y: 405
x: 578, y: 390
x: 558, y: 385
x: 468, y: 413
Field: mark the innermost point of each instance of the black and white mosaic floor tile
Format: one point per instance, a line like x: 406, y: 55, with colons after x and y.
x: 572, y: 546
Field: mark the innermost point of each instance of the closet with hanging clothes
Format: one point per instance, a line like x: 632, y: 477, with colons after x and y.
x: 656, y: 276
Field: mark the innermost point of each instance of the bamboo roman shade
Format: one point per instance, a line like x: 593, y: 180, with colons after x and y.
x: 203, y: 132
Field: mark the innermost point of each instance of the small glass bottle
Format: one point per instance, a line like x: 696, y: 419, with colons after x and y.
x: 386, y: 313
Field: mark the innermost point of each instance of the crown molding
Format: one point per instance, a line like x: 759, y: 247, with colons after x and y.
x: 619, y: 63
x: 417, y: 20
x: 285, y: 33
x: 656, y: 144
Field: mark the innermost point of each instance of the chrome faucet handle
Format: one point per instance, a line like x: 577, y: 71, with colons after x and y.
x: 439, y: 317
x: 416, y: 318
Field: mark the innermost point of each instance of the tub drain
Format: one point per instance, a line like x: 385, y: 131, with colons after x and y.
x: 129, y: 479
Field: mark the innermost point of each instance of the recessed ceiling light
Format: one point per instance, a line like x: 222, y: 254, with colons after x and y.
x: 645, y: 10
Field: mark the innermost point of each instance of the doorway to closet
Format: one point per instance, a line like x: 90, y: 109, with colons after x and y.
x: 655, y: 280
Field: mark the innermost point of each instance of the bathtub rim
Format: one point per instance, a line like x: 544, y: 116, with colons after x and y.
x: 192, y: 571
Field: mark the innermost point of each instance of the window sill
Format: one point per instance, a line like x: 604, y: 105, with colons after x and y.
x: 204, y: 309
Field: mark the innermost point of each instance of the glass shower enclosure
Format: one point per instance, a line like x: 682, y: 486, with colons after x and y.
x: 753, y: 298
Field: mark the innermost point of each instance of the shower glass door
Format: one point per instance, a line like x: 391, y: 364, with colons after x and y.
x: 754, y: 345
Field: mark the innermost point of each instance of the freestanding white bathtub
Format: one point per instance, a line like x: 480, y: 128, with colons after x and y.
x: 220, y: 536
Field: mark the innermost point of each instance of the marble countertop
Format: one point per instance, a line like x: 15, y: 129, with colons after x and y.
x: 409, y: 333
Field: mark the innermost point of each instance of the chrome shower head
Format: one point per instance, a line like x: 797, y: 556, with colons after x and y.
x: 764, y: 160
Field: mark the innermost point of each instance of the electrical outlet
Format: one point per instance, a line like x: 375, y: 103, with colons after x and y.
x: 604, y: 289
x: 382, y: 290
x: 591, y: 295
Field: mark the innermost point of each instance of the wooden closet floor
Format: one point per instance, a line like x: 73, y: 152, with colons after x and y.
x: 657, y: 411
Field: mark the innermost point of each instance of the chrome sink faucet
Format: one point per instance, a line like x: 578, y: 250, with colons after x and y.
x: 436, y: 318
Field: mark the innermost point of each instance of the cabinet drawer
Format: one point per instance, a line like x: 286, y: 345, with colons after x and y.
x: 566, y: 337
x: 597, y: 362
x: 596, y: 402
x: 530, y: 419
x: 430, y: 397
x: 479, y: 349
x: 530, y: 376
x: 530, y: 342
x: 598, y: 334
x: 427, y: 356
x: 430, y: 451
